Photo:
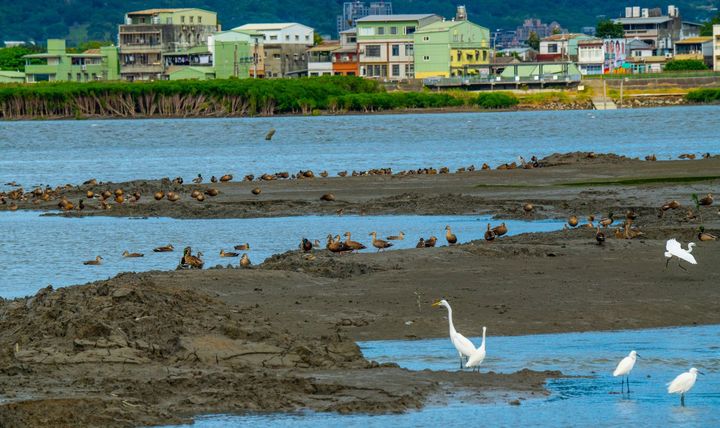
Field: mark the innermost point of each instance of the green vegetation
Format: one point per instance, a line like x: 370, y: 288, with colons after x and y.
x: 663, y: 75
x: 708, y: 95
x: 685, y: 65
x: 98, y: 20
x: 12, y: 58
x: 608, y: 29
x: 233, y: 97
x: 706, y: 29
x: 533, y: 41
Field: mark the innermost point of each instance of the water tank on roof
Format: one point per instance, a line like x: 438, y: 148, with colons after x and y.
x: 636, y: 11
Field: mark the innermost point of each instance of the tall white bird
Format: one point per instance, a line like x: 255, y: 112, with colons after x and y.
x: 463, y: 345
x: 683, y: 383
x: 478, y: 356
x: 673, y: 248
x: 624, y: 368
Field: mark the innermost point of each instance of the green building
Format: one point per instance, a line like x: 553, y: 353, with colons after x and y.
x: 12, y: 76
x: 58, y: 65
x: 237, y: 53
x: 451, y: 48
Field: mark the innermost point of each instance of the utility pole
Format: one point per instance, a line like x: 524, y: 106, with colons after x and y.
x: 622, y: 81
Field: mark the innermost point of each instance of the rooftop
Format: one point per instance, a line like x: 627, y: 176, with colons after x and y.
x: 267, y: 27
x: 638, y: 44
x: 395, y: 18
x: 156, y: 11
x: 565, y: 36
x: 8, y: 73
x: 441, y: 26
x: 694, y: 40
x: 641, y: 20
x: 329, y: 45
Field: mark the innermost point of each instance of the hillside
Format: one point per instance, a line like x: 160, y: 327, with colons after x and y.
x: 80, y: 20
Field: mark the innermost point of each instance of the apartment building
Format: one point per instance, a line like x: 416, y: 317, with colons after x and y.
x: 716, y: 47
x: 386, y: 44
x: 560, y: 47
x: 153, y: 40
x: 657, y: 30
x: 451, y: 48
x: 59, y: 65
x: 345, y: 58
x: 285, y: 46
x: 239, y: 54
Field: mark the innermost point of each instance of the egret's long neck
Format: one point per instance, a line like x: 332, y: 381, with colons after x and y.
x: 482, y: 345
x: 452, y: 327
x: 690, y: 247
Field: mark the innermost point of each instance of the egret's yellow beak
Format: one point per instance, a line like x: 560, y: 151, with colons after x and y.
x: 436, y: 304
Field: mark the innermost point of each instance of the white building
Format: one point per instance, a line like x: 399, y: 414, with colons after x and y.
x: 286, y: 33
x: 596, y: 56
x: 716, y: 47
x: 285, y: 46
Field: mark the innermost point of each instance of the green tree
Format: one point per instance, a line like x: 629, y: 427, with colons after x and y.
x: 533, y: 41
x: 317, y: 38
x: 607, y: 29
x: 12, y: 58
x: 707, y: 28
x: 92, y: 44
x: 685, y: 65
x: 556, y: 30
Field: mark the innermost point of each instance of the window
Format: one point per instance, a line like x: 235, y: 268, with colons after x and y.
x: 276, y: 56
x: 273, y: 37
x: 426, y: 58
x: 307, y: 38
x: 396, y: 70
x: 381, y: 31
x: 410, y: 71
x: 393, y: 30
x: 426, y: 38
x: 410, y: 29
x: 372, y: 51
x: 199, y: 19
x: 552, y: 48
x: 192, y: 18
x: 459, y: 56
x: 367, y: 31
x: 409, y: 50
x: 287, y: 37
x: 352, y: 39
x: 297, y: 38
x: 182, y: 19
x: 395, y: 50
x: 168, y: 20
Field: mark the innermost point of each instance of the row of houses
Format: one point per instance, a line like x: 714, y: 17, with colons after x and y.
x: 189, y: 43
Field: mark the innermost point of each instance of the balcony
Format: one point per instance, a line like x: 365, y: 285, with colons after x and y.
x: 141, y: 68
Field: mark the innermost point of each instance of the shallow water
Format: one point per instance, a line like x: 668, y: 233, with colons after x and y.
x: 593, y: 401
x: 59, y: 152
x: 40, y: 250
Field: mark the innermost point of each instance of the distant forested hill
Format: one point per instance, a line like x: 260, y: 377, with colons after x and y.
x: 80, y: 20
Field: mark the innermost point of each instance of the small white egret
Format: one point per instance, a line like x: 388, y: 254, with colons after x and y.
x: 683, y: 383
x: 463, y: 345
x: 478, y: 356
x: 624, y: 368
x: 673, y: 248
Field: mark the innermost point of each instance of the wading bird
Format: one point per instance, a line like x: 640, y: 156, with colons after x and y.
x: 478, y: 356
x: 683, y: 383
x: 463, y: 345
x: 624, y: 368
x: 673, y: 248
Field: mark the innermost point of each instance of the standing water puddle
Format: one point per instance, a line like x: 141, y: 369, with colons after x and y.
x: 592, y: 401
x: 40, y: 250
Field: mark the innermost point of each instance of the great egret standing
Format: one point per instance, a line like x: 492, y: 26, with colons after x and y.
x: 673, y: 248
x: 683, y: 383
x: 463, y: 345
x: 478, y: 356
x: 624, y: 368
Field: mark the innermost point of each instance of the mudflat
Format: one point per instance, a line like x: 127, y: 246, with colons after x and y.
x: 158, y: 347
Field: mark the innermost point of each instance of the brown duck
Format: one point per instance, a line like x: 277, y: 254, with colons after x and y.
x: 97, y: 261
x: 430, y: 242
x: 223, y: 253
x: 449, y: 236
x: 194, y: 262
x: 245, y: 261
x: 127, y: 254
x: 399, y: 237
x: 500, y: 230
x: 705, y: 236
x: 707, y: 200
x: 599, y: 236
x: 421, y: 243
x: 489, y: 234
x: 335, y: 246
x: 164, y: 249
x: 353, y: 245
x: 573, y: 221
x: 242, y: 247
x: 379, y: 243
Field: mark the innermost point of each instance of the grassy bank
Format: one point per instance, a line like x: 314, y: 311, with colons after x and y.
x: 219, y: 98
x: 709, y: 95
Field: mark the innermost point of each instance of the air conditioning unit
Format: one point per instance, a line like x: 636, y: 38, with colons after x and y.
x: 668, y: 55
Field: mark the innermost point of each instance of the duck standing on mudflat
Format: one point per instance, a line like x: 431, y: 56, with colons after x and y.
x: 245, y: 261
x: 489, y: 234
x: 449, y: 236
x: 306, y: 245
x: 379, y: 243
x: 353, y: 245
x: 421, y: 243
x: 430, y: 242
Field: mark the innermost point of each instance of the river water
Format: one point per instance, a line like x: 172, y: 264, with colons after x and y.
x: 591, y: 400
x: 39, y: 250
x: 60, y: 152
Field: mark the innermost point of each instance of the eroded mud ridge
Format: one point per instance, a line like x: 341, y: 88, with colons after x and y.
x: 128, y: 352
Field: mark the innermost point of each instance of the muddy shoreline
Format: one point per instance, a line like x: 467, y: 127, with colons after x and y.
x: 281, y: 336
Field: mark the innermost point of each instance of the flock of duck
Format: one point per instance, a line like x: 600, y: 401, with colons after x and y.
x: 188, y: 259
x: 472, y: 358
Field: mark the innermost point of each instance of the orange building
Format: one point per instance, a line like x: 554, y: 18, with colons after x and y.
x: 345, y: 58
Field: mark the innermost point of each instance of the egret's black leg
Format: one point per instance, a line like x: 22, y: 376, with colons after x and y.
x: 666, y: 263
x: 628, y: 383
x: 682, y: 400
x: 681, y: 266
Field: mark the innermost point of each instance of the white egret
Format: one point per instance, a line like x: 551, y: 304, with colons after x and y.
x: 673, y: 248
x: 478, y: 356
x: 683, y: 383
x: 463, y: 345
x: 624, y: 368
